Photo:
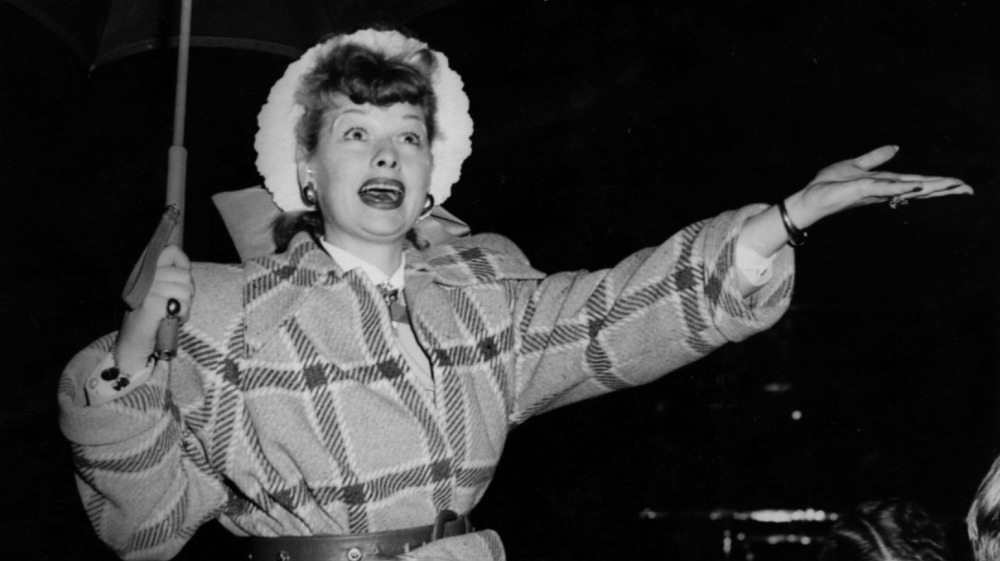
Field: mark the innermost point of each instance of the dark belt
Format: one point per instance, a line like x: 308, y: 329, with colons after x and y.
x: 358, y: 547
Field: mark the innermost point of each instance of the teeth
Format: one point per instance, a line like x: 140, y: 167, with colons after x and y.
x: 390, y: 188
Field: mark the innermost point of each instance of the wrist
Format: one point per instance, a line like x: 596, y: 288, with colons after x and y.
x: 795, y: 235
x: 800, y: 212
x: 132, y: 350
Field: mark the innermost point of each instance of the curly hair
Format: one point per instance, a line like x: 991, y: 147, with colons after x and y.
x: 363, y: 76
x: 887, y: 530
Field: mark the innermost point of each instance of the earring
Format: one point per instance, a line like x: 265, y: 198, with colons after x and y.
x: 309, y: 189
x: 309, y: 194
x: 428, y: 206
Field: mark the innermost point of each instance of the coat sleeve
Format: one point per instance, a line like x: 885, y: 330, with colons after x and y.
x: 142, y: 466
x: 583, y: 334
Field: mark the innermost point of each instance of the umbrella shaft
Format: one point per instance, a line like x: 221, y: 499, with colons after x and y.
x: 184, y: 48
x: 177, y: 162
x: 176, y: 174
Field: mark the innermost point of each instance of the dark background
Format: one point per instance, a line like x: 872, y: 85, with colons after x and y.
x: 601, y: 128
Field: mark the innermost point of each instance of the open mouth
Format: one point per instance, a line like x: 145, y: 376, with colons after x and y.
x: 382, y: 193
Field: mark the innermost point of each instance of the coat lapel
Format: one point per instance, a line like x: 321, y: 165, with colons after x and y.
x: 275, y: 287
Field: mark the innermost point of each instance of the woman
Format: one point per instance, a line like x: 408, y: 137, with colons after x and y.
x: 350, y: 390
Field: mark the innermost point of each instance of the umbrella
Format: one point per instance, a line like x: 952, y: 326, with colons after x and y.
x: 101, y: 31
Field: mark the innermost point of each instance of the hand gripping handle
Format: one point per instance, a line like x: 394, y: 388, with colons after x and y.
x: 141, y: 279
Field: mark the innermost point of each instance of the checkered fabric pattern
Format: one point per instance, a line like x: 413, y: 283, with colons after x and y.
x: 291, y: 410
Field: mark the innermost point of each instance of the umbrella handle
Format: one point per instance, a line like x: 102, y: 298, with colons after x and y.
x: 141, y: 279
x: 142, y: 274
x: 166, y: 335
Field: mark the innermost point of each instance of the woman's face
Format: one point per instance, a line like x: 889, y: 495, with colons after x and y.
x: 372, y: 169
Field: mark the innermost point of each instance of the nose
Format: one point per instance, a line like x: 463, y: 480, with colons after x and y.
x: 385, y: 156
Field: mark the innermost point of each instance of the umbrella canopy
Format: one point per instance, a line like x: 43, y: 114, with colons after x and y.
x: 101, y: 31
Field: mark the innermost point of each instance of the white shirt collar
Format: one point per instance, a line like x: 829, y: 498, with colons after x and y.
x: 348, y: 262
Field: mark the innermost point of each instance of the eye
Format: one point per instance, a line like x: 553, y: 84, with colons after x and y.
x: 355, y: 133
x: 412, y: 138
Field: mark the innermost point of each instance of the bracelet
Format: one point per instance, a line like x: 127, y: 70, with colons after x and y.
x: 796, y: 237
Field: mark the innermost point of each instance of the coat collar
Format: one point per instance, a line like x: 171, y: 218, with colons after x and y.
x: 277, y: 285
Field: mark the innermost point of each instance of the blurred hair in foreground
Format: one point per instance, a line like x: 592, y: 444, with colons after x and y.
x: 887, y: 530
x: 983, y: 521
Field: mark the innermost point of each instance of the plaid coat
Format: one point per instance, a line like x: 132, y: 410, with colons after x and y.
x: 290, y: 409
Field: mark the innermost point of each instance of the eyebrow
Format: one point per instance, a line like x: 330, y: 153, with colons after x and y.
x: 415, y: 117
x: 346, y: 112
x: 353, y: 110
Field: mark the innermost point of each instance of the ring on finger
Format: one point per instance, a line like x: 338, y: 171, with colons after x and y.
x: 898, y: 201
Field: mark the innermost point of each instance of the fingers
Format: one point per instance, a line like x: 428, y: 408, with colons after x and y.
x: 876, y: 157
x: 906, y: 185
x: 174, y: 275
x: 929, y: 186
x: 956, y: 189
x: 173, y: 256
x: 909, y: 176
x: 926, y: 190
x: 852, y: 183
x: 182, y: 290
x: 173, y: 280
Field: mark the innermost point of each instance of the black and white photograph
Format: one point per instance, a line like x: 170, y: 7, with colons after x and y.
x: 522, y: 280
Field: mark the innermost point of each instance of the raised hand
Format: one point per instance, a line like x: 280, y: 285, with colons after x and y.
x: 137, y: 337
x: 852, y: 183
x: 843, y: 185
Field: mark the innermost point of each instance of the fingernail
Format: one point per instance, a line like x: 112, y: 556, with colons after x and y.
x: 955, y: 186
x: 895, y: 147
